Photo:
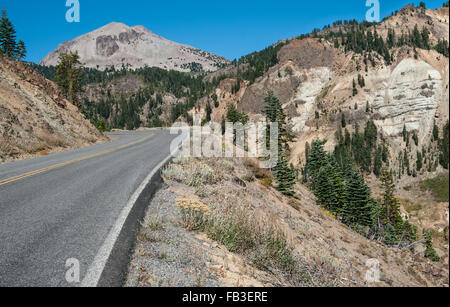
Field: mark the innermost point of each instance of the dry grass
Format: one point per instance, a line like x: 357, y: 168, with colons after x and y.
x: 263, y: 175
x: 155, y: 224
x: 53, y: 141
x: 193, y: 174
x: 293, y: 240
x: 6, y: 149
x: 260, y: 173
x: 193, y: 213
x: 410, y: 206
x: 231, y: 220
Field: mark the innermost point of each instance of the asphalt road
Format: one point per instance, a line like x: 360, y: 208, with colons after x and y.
x: 63, y: 206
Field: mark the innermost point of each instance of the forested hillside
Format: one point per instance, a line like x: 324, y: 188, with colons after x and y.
x: 141, y: 103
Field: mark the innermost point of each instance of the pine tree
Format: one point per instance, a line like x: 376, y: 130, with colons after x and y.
x: 417, y: 37
x: 391, y: 206
x: 286, y: 176
x: 378, y: 161
x: 324, y: 188
x: 8, y: 44
x: 208, y: 112
x: 390, y: 235
x: 404, y: 133
x: 419, y: 162
x: 426, y: 38
x: 272, y: 107
x: 21, y: 50
x: 444, y: 148
x: 69, y: 75
x: 338, y: 192
x: 442, y: 47
x: 316, y: 159
x: 430, y: 252
x: 435, y: 132
x: 416, y: 139
x: 307, y: 150
x: 343, y: 121
x: 361, y: 81
x: 357, y: 210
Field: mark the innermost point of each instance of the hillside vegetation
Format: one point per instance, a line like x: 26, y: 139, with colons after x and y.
x: 35, y: 118
x: 213, y: 207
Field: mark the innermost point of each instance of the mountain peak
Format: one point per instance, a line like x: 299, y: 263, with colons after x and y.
x: 115, y: 26
x: 119, y: 45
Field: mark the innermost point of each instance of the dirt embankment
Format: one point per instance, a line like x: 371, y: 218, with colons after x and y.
x: 35, y: 118
x: 219, y: 222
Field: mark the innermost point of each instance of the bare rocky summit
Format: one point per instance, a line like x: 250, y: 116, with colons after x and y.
x: 118, y: 45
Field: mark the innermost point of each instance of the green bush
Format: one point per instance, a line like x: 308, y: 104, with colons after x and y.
x: 438, y: 186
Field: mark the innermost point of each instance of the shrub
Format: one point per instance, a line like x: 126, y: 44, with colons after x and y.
x: 267, y: 182
x: 193, y: 213
x: 233, y: 230
x: 155, y: 224
x: 438, y: 186
x: 195, y: 174
x: 430, y: 252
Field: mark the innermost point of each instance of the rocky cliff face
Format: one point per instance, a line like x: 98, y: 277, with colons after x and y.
x: 314, y: 82
x: 408, y: 94
x: 120, y: 46
x: 34, y: 116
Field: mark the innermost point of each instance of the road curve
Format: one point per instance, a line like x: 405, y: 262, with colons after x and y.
x: 63, y: 206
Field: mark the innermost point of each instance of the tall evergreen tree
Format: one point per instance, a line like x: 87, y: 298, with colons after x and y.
x: 285, y: 175
x: 21, y: 50
x: 275, y: 114
x: 323, y: 188
x: 444, y: 148
x: 419, y: 162
x: 343, y: 121
x: 337, y: 196
x: 435, y: 132
x: 378, y: 161
x: 69, y: 75
x: 8, y: 44
x: 316, y: 159
x: 208, y: 112
x: 391, y: 204
x: 430, y: 252
x: 358, y: 207
x: 355, y: 90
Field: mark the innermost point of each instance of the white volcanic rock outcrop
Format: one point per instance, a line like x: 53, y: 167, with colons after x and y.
x: 119, y: 45
x: 408, y: 96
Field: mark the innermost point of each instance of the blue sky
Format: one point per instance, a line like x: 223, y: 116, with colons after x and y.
x: 229, y: 28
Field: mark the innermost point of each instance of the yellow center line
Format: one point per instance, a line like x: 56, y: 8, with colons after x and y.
x: 6, y: 181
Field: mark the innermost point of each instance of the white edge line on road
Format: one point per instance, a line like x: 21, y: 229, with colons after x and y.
x: 96, y: 268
